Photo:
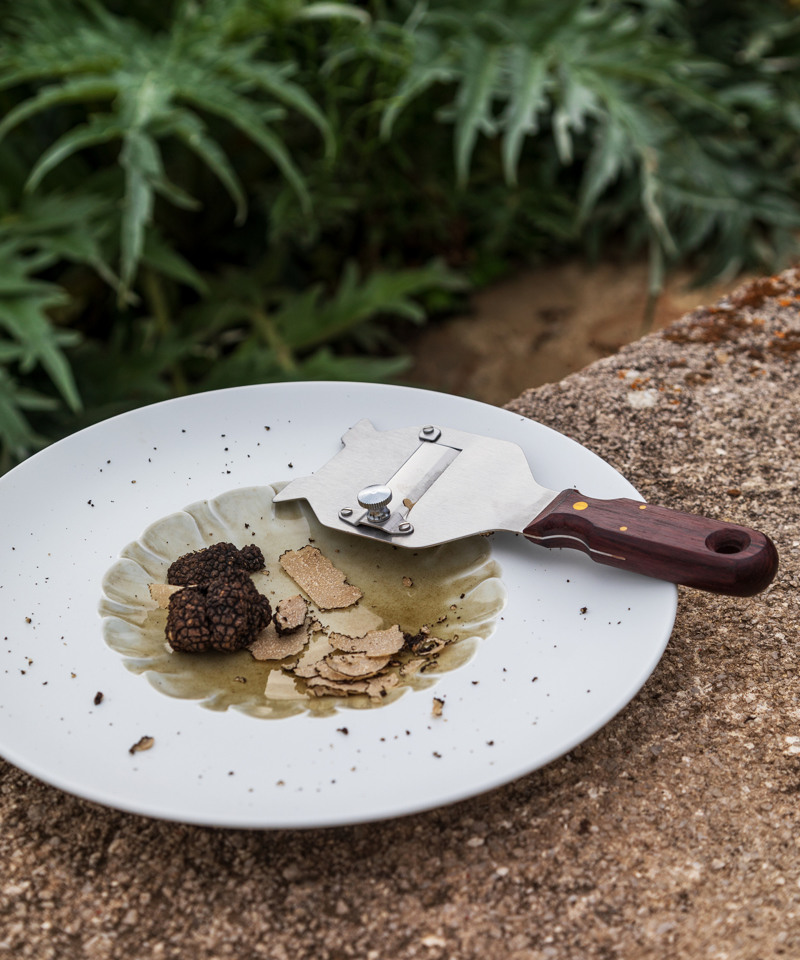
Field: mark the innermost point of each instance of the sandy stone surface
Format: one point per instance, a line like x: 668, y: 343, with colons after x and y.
x: 672, y: 833
x: 545, y: 322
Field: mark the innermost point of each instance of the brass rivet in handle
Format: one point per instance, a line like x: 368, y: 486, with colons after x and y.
x: 623, y: 528
x: 643, y: 506
x: 580, y: 505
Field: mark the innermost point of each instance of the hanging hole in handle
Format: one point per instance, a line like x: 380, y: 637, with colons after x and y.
x: 728, y: 541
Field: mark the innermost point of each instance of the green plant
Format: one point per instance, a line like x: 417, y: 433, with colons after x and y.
x: 248, y: 331
x: 23, y: 305
x: 154, y: 87
x: 199, y: 193
x: 120, y: 108
x: 43, y: 231
x: 668, y: 115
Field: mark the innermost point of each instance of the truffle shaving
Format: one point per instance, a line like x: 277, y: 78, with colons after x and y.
x: 376, y: 643
x: 290, y: 614
x: 423, y: 643
x: 307, y: 664
x: 378, y: 687
x: 317, y: 576
x: 161, y: 592
x: 331, y: 683
x: 410, y: 667
x: 270, y: 645
x: 327, y: 672
x: 281, y: 686
x: 320, y: 687
x: 356, y: 664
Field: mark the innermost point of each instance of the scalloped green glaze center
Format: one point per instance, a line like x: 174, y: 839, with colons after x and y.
x: 456, y: 588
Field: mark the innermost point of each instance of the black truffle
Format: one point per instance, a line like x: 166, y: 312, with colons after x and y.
x: 226, y: 613
x: 201, y: 566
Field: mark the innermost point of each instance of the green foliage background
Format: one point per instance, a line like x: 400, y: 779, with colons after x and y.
x: 202, y: 193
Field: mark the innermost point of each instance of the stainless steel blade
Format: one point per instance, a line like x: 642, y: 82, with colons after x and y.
x: 425, y: 465
x: 446, y: 484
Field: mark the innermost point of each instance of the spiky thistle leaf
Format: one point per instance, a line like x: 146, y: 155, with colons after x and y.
x: 142, y: 88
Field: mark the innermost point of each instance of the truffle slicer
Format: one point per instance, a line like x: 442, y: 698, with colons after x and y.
x: 417, y: 487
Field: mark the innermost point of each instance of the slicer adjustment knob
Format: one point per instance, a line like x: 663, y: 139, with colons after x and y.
x: 374, y: 499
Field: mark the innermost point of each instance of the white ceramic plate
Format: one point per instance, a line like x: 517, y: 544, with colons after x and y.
x: 547, y: 677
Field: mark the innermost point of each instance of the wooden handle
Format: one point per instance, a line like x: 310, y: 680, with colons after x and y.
x: 680, y: 547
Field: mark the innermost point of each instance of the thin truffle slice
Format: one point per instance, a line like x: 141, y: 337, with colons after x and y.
x: 321, y: 687
x: 225, y: 614
x: 314, y: 573
x: 281, y: 686
x: 327, y: 672
x: 160, y: 593
x: 344, y: 668
x: 356, y: 664
x: 201, y: 566
x: 270, y: 645
x: 376, y: 643
x: 375, y: 688
x: 410, y: 667
x: 290, y: 614
x: 423, y: 643
x: 378, y: 687
x: 306, y: 666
